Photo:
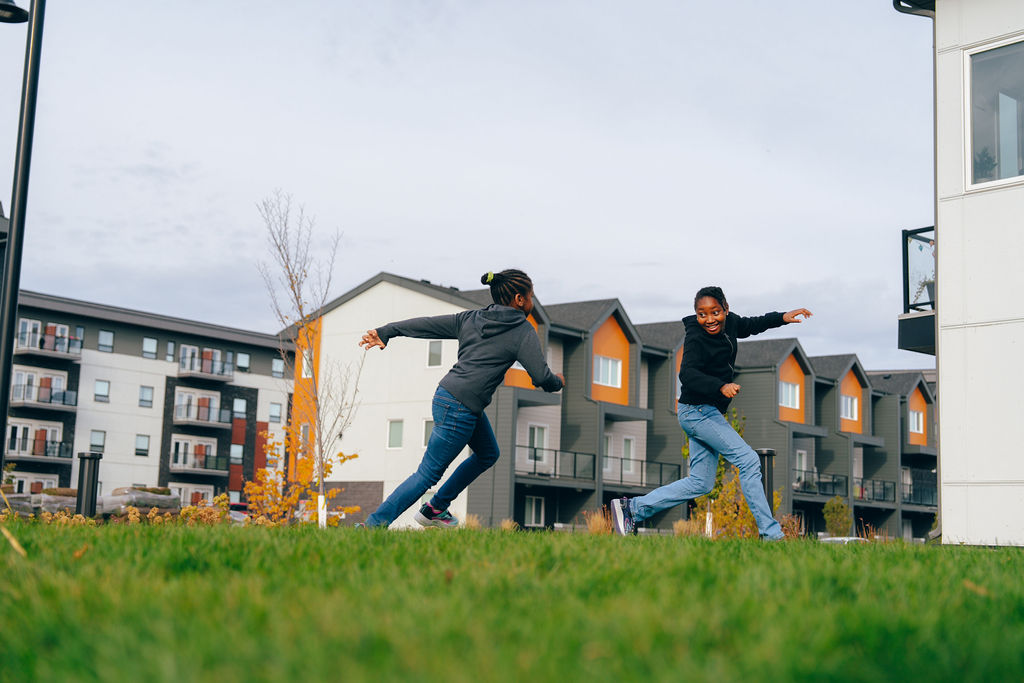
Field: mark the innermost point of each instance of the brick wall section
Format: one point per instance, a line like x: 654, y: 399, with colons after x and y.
x: 368, y: 495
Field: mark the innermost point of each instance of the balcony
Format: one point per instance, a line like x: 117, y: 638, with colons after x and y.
x: 632, y: 472
x: 30, y: 395
x: 202, y: 416
x: 810, y: 482
x: 199, y: 463
x: 920, y: 494
x: 48, y: 346
x: 876, y: 490
x: 205, y: 368
x: 555, y: 464
x: 39, y: 449
x: 917, y: 324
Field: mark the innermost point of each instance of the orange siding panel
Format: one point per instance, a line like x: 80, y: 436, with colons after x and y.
x: 611, y: 342
x: 916, y: 402
x: 303, y: 401
x: 792, y: 372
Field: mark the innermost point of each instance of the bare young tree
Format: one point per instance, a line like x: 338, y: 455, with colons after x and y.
x: 325, y: 395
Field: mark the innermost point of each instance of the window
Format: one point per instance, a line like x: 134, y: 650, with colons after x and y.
x: 606, y: 459
x: 142, y: 444
x: 243, y: 362
x: 238, y: 407
x: 237, y: 451
x: 106, y: 341
x: 149, y: 347
x: 79, y: 334
x: 848, y: 407
x: 997, y: 113
x: 29, y: 333
x: 428, y: 429
x: 275, y: 412
x: 628, y: 463
x: 145, y: 397
x: 534, y: 516
x: 434, y: 354
x: 277, y: 367
x: 917, y: 422
x: 170, y: 352
x: 607, y: 371
x: 307, y: 363
x: 101, y: 391
x: 97, y: 440
x: 537, y: 440
x: 789, y: 395
x: 394, y: 433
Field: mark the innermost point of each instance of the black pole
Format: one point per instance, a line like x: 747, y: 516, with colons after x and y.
x: 88, y: 479
x: 12, y: 254
x: 767, y: 456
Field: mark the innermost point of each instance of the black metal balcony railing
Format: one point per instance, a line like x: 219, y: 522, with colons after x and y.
x: 874, y: 489
x: 200, y: 461
x: 919, y: 270
x: 549, y: 462
x: 809, y: 481
x: 187, y: 412
x: 633, y: 472
x: 921, y: 494
x: 30, y: 393
x: 35, y: 341
x: 39, y: 448
x: 205, y: 366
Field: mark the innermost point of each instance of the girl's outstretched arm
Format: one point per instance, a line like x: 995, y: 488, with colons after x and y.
x: 370, y: 340
x: 793, y: 316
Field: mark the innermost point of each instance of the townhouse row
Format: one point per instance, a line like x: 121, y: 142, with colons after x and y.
x: 168, y: 402
x: 836, y: 428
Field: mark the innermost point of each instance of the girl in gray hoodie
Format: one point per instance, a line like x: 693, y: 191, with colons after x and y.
x: 490, y: 341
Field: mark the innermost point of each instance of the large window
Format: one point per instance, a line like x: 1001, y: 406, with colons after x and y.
x: 243, y: 362
x: 275, y: 412
x: 607, y: 371
x: 141, y: 444
x: 277, y: 367
x: 789, y: 395
x: 916, y: 422
x: 97, y: 441
x: 534, y: 516
x: 434, y: 353
x: 629, y: 462
x: 149, y: 347
x: 395, y: 433
x: 997, y: 113
x: 848, y: 407
x: 537, y: 436
x: 145, y: 397
x: 106, y: 341
x: 101, y: 391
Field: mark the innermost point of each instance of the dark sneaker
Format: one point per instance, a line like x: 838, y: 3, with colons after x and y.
x: 428, y: 516
x: 622, y: 518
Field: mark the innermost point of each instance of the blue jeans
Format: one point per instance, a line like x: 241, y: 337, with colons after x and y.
x: 455, y: 427
x: 710, y: 435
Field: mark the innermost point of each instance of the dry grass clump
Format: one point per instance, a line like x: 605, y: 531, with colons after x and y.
x: 687, y: 527
x: 509, y: 525
x: 598, y: 521
x: 472, y: 522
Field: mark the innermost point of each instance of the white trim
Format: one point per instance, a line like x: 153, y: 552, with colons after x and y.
x: 527, y: 521
x: 387, y: 434
x: 970, y: 187
x: 631, y: 462
x: 782, y: 398
x: 440, y: 353
x: 543, y: 459
x: 915, y: 418
x: 854, y: 403
x: 614, y: 368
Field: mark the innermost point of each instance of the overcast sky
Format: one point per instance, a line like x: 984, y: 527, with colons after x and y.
x: 610, y: 149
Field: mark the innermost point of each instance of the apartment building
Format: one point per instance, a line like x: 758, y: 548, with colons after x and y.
x: 167, y: 401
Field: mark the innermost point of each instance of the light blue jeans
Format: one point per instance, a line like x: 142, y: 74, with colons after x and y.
x: 455, y: 427
x: 710, y: 435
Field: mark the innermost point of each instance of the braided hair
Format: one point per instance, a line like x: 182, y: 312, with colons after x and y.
x: 506, y: 284
x: 715, y: 293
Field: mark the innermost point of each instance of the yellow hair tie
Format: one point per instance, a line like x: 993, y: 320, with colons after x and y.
x: 490, y: 276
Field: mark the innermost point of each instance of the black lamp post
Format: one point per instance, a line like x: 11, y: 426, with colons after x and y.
x: 10, y: 283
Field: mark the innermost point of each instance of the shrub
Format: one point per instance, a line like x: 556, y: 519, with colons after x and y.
x: 509, y: 525
x: 472, y: 522
x: 598, y: 521
x: 837, y: 517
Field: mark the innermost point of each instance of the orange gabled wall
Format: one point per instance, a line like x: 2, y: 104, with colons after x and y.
x: 850, y: 386
x: 611, y: 342
x: 520, y: 378
x: 916, y: 402
x: 304, y: 398
x: 792, y: 372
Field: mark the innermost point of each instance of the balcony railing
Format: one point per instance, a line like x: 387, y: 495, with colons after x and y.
x: 874, y: 489
x: 205, y: 415
x: 201, y: 463
x: 549, y: 462
x: 633, y: 472
x: 31, y: 394
x: 205, y: 367
x: 50, y: 344
x: 40, y: 448
x: 919, y: 270
x: 920, y: 494
x: 809, y: 481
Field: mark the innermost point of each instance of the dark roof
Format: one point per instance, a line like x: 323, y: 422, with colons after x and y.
x: 831, y: 367
x: 668, y: 336
x: 763, y: 352
x: 900, y: 382
x: 482, y: 297
x: 581, y: 315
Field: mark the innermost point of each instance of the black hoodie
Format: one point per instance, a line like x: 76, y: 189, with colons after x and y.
x: 709, y: 359
x: 490, y: 341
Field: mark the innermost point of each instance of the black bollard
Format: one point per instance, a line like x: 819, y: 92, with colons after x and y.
x: 767, y: 456
x: 88, y: 480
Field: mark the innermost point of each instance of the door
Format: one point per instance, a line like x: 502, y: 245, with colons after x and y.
x: 858, y: 473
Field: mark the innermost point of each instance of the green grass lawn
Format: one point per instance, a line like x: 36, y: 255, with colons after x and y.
x: 139, y: 603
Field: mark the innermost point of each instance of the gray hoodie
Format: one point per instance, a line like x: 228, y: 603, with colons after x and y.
x: 490, y: 341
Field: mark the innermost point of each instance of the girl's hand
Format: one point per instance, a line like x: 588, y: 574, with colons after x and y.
x: 792, y: 316
x: 730, y: 390
x: 561, y: 377
x: 370, y: 340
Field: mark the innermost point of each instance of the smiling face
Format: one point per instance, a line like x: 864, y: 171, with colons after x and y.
x: 711, y: 314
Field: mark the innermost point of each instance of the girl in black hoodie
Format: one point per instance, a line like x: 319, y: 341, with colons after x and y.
x: 706, y: 376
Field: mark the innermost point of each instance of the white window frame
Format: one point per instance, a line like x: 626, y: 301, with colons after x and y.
x: 784, y: 395
x: 271, y: 417
x: 848, y: 407
x: 32, y: 329
x: 277, y: 367
x: 188, y: 356
x: 915, y: 421
x: 156, y: 347
x: 239, y: 365
x: 530, y: 509
x: 152, y: 396
x: 606, y: 456
x: 607, y: 371
x: 149, y: 442
x: 968, y: 151
x: 431, y: 345
x: 100, y: 344
x: 307, y: 363
x: 96, y: 395
x: 532, y: 429
x: 401, y: 435
x: 185, y: 491
x: 102, y: 441
x: 629, y: 465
